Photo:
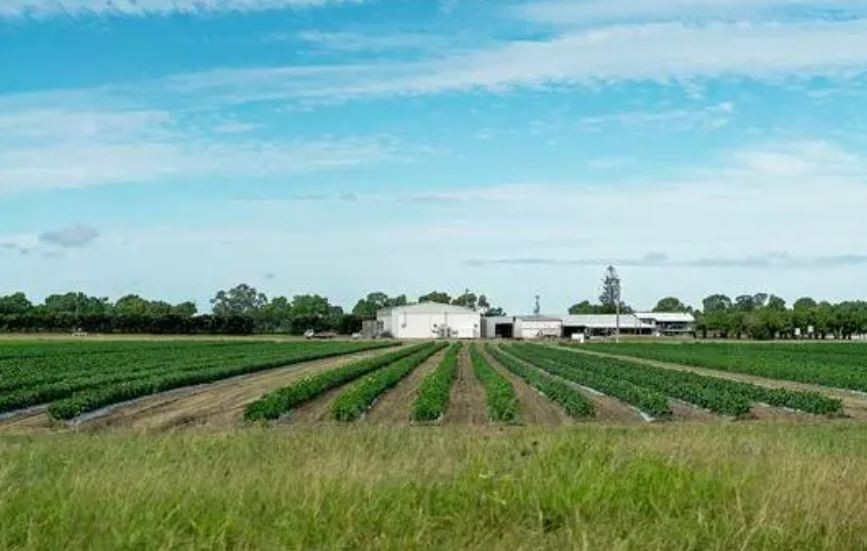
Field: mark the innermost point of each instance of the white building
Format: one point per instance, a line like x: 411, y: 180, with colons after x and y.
x: 604, y: 325
x: 429, y: 320
x: 537, y: 327
x: 669, y: 323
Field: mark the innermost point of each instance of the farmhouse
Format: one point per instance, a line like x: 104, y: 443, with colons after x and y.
x: 429, y: 320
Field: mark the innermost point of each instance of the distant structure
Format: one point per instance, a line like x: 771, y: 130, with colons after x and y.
x: 428, y: 320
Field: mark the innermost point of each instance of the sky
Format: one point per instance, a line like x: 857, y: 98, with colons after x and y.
x: 172, y: 148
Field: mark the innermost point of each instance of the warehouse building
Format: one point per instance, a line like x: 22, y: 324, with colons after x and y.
x: 429, y: 320
x: 537, y: 327
x: 605, y: 325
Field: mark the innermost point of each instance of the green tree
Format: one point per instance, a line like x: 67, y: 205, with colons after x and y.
x: 78, y: 304
x: 671, y: 304
x: 15, y: 304
x: 367, y: 307
x: 241, y: 300
x: 436, y: 296
x: 467, y: 300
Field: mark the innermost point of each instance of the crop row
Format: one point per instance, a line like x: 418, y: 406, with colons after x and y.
x: 284, y: 400
x: 358, y: 398
x: 647, y: 400
x: 500, y: 395
x: 175, y: 376
x: 835, y: 365
x: 575, y: 404
x: 718, y: 395
x: 433, y: 395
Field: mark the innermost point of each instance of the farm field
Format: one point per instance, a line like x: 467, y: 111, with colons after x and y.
x: 427, y: 445
x: 72, y: 379
x: 98, y: 386
x: 840, y: 365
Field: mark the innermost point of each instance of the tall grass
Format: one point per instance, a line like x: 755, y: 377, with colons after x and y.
x: 736, y: 486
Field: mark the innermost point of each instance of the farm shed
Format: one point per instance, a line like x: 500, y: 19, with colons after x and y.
x: 603, y: 325
x: 537, y: 327
x: 669, y: 324
x: 429, y: 320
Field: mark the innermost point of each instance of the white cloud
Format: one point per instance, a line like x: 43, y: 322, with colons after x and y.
x: 563, y: 12
x: 660, y: 52
x: 711, y: 117
x: 43, y: 149
x: 48, y: 8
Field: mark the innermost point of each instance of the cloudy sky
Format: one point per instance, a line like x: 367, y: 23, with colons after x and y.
x: 174, y: 147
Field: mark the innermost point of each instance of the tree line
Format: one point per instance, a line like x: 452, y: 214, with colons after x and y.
x: 241, y: 310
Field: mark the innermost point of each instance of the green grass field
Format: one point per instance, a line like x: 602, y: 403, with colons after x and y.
x: 734, y: 486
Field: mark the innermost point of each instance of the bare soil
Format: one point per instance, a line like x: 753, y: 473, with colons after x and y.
x: 535, y: 408
x: 682, y: 411
x: 467, y: 405
x: 854, y: 403
x: 395, y: 406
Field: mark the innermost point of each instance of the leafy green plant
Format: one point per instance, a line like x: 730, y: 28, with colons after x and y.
x: 647, y: 400
x: 433, y: 395
x: 282, y: 401
x: 353, y: 403
x: 572, y: 401
x: 502, y: 402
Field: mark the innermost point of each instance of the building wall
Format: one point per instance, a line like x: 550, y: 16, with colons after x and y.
x: 409, y: 325
x: 530, y: 329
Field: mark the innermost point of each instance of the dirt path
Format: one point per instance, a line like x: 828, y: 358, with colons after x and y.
x: 467, y: 405
x: 854, y: 403
x: 395, y: 406
x: 220, y: 404
x: 535, y: 408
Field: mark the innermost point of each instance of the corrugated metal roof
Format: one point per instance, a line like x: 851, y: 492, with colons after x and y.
x: 537, y: 318
x: 604, y: 321
x: 668, y: 317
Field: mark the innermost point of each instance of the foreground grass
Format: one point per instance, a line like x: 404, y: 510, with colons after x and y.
x: 751, y: 486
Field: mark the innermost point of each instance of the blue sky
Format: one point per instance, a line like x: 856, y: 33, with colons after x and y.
x: 175, y: 147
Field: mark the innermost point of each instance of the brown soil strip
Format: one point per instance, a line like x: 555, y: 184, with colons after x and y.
x: 535, y: 408
x: 854, y: 404
x: 467, y: 404
x: 220, y: 404
x: 37, y: 421
x: 607, y: 409
x: 395, y: 406
x: 682, y: 411
x: 768, y: 413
